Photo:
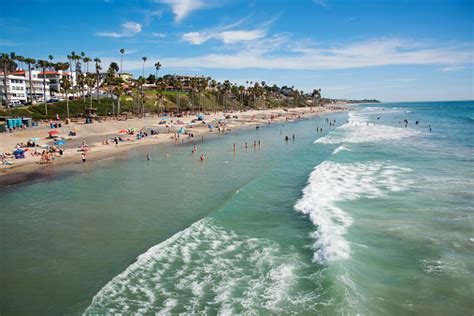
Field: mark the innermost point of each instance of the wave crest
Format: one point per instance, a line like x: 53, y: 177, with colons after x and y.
x: 331, y: 183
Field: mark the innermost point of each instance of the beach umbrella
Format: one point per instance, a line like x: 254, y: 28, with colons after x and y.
x: 60, y: 142
x: 122, y: 131
x: 53, y: 132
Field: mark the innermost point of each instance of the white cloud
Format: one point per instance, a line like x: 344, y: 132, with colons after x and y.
x: 321, y: 3
x: 227, y: 37
x: 278, y: 52
x: 128, y: 29
x: 196, y: 38
x: 159, y: 35
x: 239, y: 36
x: 182, y: 8
x: 452, y: 68
x: 378, y: 52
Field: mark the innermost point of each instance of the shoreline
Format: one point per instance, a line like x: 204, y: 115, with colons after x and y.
x: 29, y: 169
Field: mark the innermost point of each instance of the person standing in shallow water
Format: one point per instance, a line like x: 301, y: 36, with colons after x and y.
x: 201, y: 158
x: 83, y: 156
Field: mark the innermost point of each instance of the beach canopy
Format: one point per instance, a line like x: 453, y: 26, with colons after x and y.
x: 122, y: 131
x: 53, y: 132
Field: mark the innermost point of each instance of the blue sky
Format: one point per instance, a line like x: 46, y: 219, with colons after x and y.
x: 404, y: 50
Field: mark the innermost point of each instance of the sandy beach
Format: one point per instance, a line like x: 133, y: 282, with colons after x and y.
x: 95, y: 136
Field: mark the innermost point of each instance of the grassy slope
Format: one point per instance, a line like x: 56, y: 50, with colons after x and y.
x: 77, y: 107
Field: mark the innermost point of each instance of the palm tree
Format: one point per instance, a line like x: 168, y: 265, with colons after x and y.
x: 86, y: 61
x: 178, y: 86
x: 90, y: 81
x: 122, y: 51
x: 29, y: 62
x: 118, y: 92
x: 50, y: 57
x: 97, y: 71
x: 5, y: 60
x: 161, y: 86
x: 20, y: 59
x: 141, y: 85
x: 43, y: 64
x: 143, y: 70
x: 83, y: 55
x: 110, y: 81
x: 66, y: 85
x: 157, y: 67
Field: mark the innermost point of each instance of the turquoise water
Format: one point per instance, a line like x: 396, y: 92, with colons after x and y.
x: 359, y: 219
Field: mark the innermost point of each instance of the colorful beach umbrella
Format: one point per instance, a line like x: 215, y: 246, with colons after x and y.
x: 122, y: 131
x: 60, y: 142
x: 53, y: 132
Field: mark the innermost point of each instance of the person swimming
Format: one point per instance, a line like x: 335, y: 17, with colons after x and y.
x: 201, y: 158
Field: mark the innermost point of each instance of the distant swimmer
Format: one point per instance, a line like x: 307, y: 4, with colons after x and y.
x: 416, y: 123
x: 167, y: 155
x: 294, y: 136
x: 202, y: 157
x: 148, y: 158
x: 259, y: 144
x: 429, y: 126
x: 254, y: 143
x: 234, y: 148
x: 246, y: 146
x: 286, y: 138
x: 257, y: 127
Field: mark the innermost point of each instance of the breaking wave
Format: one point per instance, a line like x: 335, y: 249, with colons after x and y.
x: 206, y: 269
x: 359, y: 130
x: 331, y: 183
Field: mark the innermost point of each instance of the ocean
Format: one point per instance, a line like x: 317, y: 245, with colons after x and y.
x: 371, y: 216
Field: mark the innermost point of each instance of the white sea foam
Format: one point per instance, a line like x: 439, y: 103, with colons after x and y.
x: 340, y: 148
x: 331, y: 183
x: 358, y: 130
x: 205, y: 269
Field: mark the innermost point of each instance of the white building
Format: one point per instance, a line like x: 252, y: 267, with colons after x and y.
x: 54, y: 78
x: 18, y: 88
